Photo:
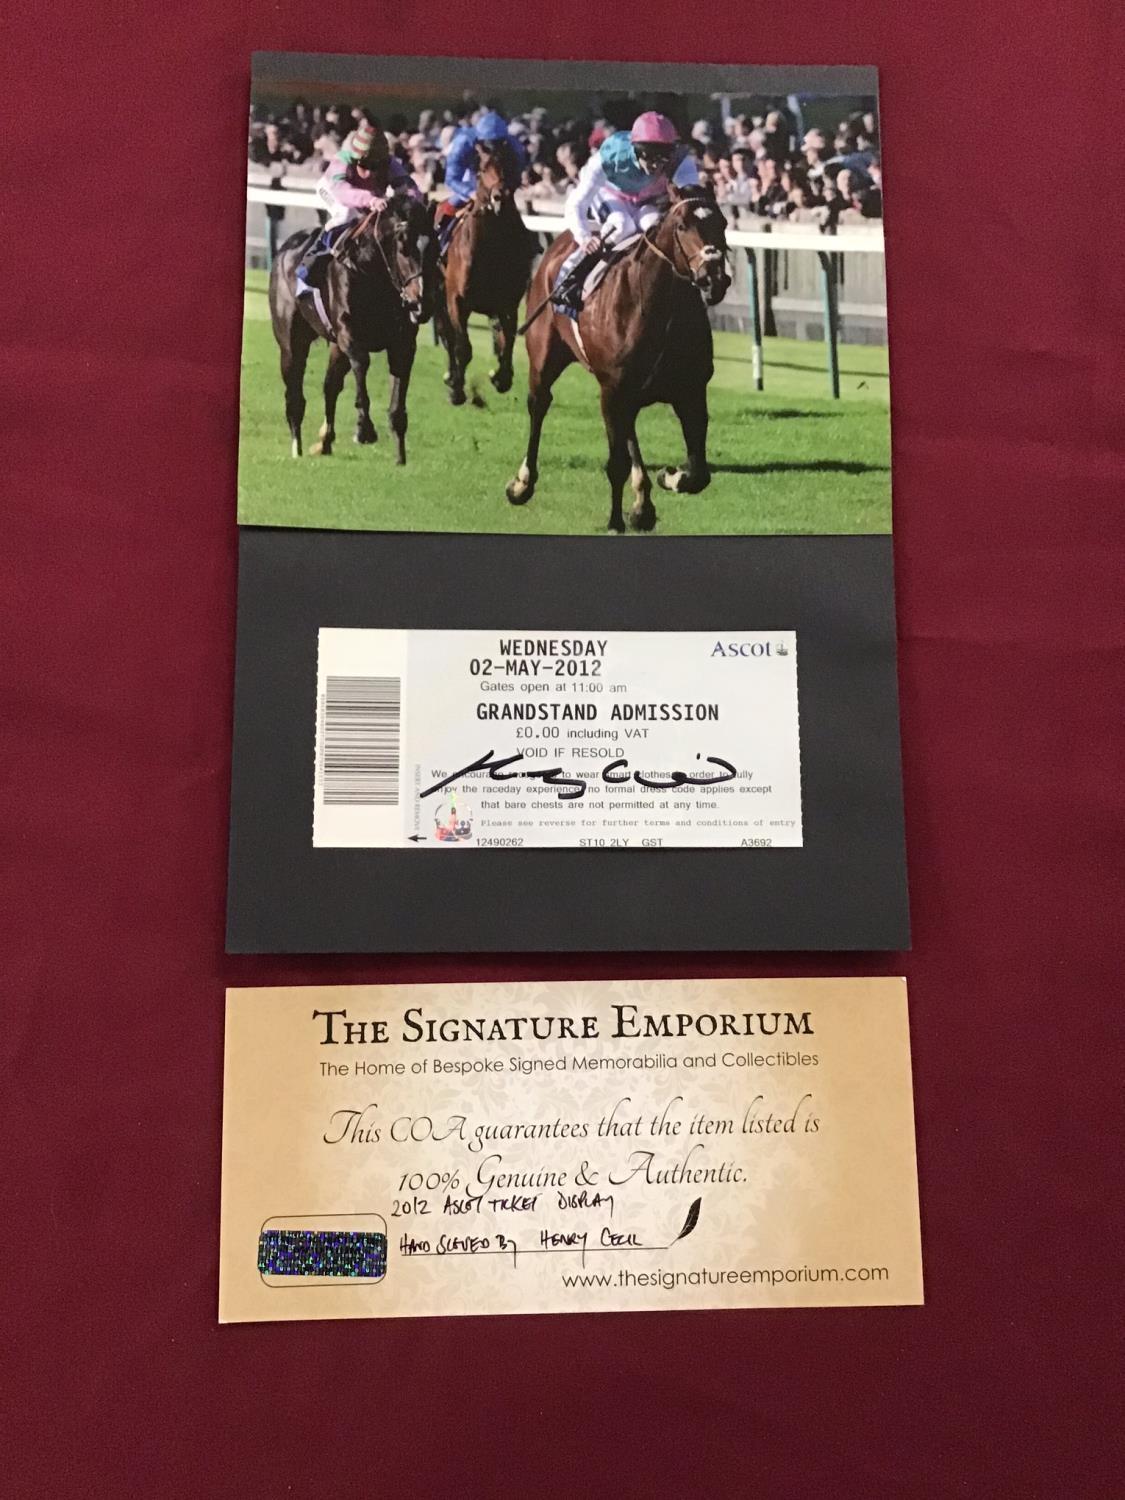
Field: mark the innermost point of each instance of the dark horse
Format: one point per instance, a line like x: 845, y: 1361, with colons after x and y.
x: 646, y: 337
x: 377, y: 288
x: 486, y: 271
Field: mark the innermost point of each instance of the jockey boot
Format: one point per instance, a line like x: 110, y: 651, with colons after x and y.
x: 313, y: 268
x: 310, y: 274
x: 567, y: 295
x: 446, y: 223
x: 310, y: 280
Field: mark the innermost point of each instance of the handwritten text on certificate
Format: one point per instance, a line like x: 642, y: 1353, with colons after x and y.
x: 476, y: 739
x: 433, y: 1150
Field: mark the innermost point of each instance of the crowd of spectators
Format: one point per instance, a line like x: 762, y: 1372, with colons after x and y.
x: 763, y: 164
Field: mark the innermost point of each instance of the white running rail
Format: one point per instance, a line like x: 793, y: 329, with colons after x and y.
x: 848, y: 241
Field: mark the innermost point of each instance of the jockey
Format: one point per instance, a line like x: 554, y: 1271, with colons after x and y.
x: 624, y: 189
x: 360, y: 177
x: 492, y: 131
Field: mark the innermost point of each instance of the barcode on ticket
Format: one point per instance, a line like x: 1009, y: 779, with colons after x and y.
x: 360, y: 715
x: 360, y: 745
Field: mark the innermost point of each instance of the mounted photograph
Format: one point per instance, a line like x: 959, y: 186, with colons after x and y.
x: 562, y: 299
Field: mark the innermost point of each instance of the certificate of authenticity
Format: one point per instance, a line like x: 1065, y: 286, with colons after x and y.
x: 616, y: 1146
x: 478, y: 739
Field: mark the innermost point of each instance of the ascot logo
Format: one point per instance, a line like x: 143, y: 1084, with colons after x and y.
x: 748, y: 648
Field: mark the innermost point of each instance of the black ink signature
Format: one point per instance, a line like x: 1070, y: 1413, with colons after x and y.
x: 614, y: 1241
x: 555, y: 775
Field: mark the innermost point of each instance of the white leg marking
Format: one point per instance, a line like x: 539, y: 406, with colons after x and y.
x: 522, y: 482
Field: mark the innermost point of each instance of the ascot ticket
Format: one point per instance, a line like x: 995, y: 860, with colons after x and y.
x: 484, y: 739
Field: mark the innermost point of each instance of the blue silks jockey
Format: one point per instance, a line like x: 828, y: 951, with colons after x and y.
x: 492, y: 132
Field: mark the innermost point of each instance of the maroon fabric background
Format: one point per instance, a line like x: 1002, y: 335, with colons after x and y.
x: 122, y: 185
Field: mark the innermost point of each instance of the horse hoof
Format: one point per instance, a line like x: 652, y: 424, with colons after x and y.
x: 321, y: 449
x: 682, y: 481
x: 456, y: 398
x: 522, y: 487
x: 365, y: 435
x: 501, y: 380
x: 643, y: 519
x: 616, y: 528
x: 295, y: 448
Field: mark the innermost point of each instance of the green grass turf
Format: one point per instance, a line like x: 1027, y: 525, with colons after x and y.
x: 786, y: 460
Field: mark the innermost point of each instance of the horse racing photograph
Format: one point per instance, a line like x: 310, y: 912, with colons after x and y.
x: 563, y: 299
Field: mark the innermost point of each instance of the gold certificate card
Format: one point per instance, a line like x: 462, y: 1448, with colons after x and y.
x: 434, y: 1150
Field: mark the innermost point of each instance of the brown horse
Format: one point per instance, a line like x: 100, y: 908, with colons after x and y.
x: 646, y: 337
x: 486, y: 271
x: 377, y: 289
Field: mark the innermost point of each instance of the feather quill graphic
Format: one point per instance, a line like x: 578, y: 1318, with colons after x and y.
x: 690, y: 1222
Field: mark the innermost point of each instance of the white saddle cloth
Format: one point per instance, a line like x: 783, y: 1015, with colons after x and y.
x: 597, y: 274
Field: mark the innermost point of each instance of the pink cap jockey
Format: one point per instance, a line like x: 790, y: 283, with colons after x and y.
x: 626, y: 184
x: 623, y: 190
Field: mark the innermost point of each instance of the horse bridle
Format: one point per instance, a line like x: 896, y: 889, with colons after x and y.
x: 705, y: 255
x: 400, y: 287
x: 491, y: 202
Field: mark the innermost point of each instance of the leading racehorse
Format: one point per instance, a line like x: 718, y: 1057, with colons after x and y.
x: 377, y: 288
x: 646, y: 337
x: 486, y: 271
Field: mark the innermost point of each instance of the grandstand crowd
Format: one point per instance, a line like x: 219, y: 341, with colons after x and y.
x: 759, y: 164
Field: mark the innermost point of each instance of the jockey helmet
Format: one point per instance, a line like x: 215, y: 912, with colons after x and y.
x: 654, y: 139
x: 651, y: 129
x: 492, y: 126
x: 368, y: 145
